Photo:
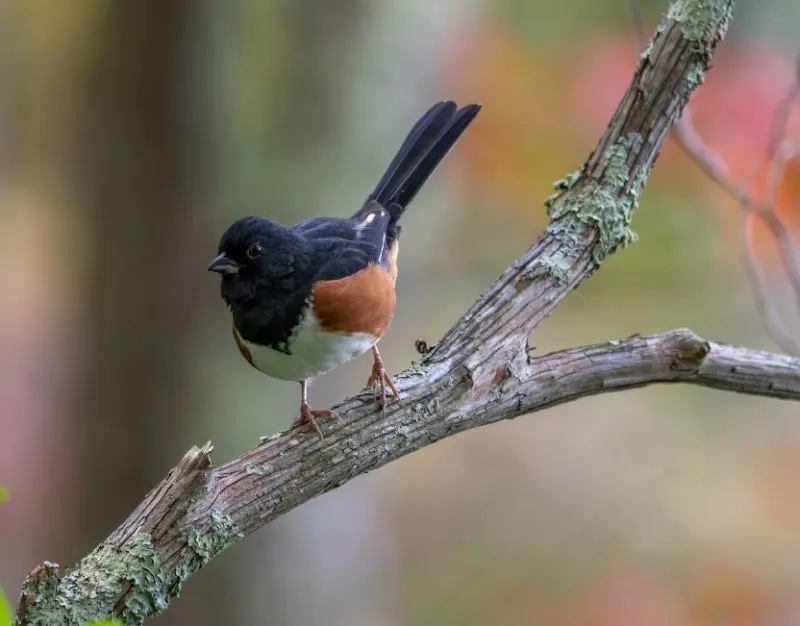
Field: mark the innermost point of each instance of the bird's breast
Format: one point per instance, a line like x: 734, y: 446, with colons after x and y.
x: 312, y: 351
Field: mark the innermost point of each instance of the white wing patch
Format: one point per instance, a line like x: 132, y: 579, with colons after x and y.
x: 364, y: 224
x: 383, y: 245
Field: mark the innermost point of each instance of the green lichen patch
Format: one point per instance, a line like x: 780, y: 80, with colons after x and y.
x: 427, y: 408
x: 416, y: 369
x: 223, y: 533
x: 702, y: 20
x: 567, y: 182
x: 266, y: 438
x: 555, y: 265
x: 150, y: 593
x: 606, y: 204
x: 695, y: 76
x: 90, y: 592
x: 256, y: 469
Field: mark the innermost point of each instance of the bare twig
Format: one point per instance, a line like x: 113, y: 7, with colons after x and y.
x: 780, y: 151
x: 758, y: 280
x: 707, y: 159
x: 766, y: 213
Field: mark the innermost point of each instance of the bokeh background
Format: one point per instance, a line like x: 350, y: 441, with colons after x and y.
x: 133, y: 133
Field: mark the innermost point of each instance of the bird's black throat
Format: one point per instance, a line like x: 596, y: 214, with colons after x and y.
x: 267, y: 314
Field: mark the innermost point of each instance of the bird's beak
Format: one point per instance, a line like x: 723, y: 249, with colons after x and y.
x: 223, y: 265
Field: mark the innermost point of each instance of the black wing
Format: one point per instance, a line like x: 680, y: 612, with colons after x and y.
x: 342, y: 247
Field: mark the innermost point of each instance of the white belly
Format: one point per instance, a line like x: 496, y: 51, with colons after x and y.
x: 313, y: 352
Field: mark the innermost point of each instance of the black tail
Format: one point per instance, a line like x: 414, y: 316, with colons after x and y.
x: 431, y: 138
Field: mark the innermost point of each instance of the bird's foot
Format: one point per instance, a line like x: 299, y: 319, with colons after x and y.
x: 309, y: 416
x: 379, y: 380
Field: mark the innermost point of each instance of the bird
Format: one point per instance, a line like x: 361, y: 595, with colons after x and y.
x: 309, y: 297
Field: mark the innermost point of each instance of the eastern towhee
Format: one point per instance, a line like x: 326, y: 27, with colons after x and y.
x: 309, y: 297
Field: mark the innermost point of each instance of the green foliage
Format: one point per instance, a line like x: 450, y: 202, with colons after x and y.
x: 105, y: 622
x: 5, y: 611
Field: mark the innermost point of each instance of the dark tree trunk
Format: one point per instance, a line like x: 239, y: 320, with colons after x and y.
x: 139, y: 171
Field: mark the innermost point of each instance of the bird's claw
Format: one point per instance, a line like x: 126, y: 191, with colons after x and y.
x: 378, y: 380
x: 309, y: 416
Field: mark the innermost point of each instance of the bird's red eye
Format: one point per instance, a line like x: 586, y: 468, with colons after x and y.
x: 255, y: 250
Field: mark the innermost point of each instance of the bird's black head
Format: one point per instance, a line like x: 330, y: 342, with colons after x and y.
x: 262, y: 264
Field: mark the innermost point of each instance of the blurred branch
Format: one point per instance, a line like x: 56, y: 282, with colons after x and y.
x: 780, y: 152
x: 479, y: 373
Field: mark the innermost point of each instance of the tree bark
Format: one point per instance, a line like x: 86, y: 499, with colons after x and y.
x: 479, y: 373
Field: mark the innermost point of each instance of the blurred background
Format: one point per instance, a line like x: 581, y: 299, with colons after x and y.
x: 133, y: 133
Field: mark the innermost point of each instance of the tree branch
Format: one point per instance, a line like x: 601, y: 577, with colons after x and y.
x: 479, y: 373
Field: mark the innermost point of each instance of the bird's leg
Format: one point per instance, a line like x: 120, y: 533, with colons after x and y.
x: 379, y: 379
x: 309, y: 415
